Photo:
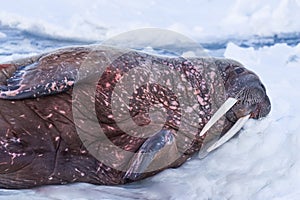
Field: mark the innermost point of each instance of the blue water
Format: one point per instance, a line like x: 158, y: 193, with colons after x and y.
x: 17, y: 39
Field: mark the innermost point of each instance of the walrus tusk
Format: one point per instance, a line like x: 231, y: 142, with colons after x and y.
x: 233, y: 130
x: 220, y: 112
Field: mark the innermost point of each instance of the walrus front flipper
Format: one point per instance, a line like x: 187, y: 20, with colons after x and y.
x: 154, y: 154
x: 37, y: 79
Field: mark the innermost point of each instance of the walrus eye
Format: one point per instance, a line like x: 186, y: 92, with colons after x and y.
x: 239, y: 70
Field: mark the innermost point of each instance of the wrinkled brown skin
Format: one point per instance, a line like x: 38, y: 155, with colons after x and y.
x: 39, y: 144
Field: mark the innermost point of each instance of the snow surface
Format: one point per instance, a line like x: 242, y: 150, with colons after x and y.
x: 263, y: 162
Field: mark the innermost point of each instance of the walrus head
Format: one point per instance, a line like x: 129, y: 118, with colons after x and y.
x: 246, y: 87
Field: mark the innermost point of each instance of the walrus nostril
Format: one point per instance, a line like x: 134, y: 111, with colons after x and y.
x: 263, y: 87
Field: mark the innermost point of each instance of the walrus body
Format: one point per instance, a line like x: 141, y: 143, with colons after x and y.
x: 39, y: 140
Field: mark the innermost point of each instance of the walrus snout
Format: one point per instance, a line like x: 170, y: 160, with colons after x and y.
x: 245, y: 86
x: 263, y: 108
x: 252, y: 97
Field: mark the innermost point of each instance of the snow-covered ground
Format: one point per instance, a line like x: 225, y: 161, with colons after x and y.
x: 263, y: 162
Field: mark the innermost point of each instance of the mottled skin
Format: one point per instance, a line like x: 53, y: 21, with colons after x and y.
x: 39, y: 143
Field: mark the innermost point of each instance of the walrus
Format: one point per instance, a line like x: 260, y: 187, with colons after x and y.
x: 43, y: 142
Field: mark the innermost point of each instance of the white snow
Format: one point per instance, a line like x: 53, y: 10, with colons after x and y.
x: 263, y: 162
